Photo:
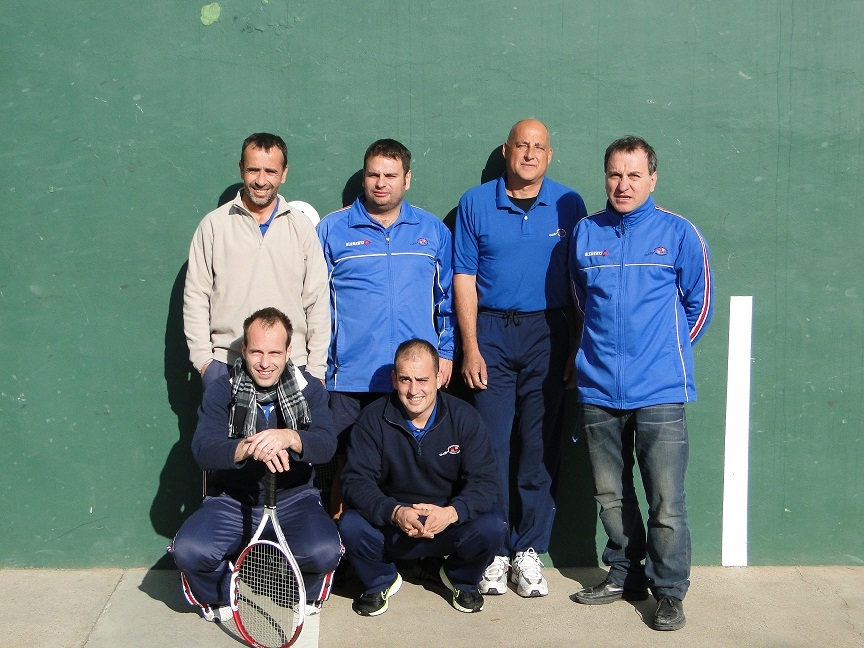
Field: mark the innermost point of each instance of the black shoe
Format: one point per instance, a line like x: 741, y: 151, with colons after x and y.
x: 427, y: 568
x: 376, y: 603
x: 608, y: 592
x: 468, y: 601
x: 669, y: 614
x: 463, y: 601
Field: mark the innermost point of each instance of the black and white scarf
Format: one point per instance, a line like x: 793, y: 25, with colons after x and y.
x: 246, y: 396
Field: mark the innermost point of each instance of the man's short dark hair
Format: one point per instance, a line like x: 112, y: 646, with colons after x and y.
x: 265, y: 141
x: 413, y: 347
x: 389, y: 148
x: 268, y: 317
x: 628, y: 145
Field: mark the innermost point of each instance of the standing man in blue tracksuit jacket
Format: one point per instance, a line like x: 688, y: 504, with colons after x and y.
x: 514, y: 307
x: 390, y: 268
x: 644, y: 289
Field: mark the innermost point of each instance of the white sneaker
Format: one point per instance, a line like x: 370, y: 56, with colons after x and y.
x: 217, y: 614
x: 526, y: 574
x: 495, y: 577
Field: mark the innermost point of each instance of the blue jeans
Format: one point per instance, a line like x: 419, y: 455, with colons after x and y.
x: 656, y: 438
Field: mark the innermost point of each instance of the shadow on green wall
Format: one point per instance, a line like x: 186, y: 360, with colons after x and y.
x: 493, y: 169
x: 180, y: 481
x: 227, y: 196
x: 353, y: 188
x: 179, y: 492
x: 573, y: 541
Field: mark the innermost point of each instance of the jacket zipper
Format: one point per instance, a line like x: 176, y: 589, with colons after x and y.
x: 620, y: 314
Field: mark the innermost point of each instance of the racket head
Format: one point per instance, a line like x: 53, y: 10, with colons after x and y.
x: 268, y: 597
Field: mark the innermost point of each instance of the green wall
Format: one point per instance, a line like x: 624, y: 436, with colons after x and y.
x: 121, y: 125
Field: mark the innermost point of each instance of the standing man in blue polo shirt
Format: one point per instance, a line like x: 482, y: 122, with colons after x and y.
x: 514, y: 310
x: 390, y: 270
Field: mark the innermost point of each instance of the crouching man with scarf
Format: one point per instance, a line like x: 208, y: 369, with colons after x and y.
x: 266, y: 415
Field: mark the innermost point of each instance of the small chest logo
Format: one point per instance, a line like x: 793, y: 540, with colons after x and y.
x: 357, y: 243
x: 452, y: 450
x: 560, y: 233
x: 660, y: 251
x: 422, y: 241
x: 597, y: 253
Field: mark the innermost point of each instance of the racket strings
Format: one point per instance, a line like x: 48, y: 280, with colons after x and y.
x: 268, y: 596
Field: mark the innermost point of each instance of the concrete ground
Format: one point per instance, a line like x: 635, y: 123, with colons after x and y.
x: 766, y: 607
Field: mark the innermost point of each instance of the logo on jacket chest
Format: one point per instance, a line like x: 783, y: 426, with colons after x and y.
x: 357, y: 243
x: 452, y: 450
x: 594, y: 253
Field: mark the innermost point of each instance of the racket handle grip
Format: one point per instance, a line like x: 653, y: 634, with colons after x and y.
x: 270, y: 490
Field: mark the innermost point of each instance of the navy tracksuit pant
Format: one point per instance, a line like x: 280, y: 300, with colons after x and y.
x: 469, y: 547
x: 525, y: 355
x: 222, y: 527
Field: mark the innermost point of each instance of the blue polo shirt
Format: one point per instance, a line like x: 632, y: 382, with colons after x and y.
x: 518, y: 257
x: 419, y: 433
x: 265, y: 226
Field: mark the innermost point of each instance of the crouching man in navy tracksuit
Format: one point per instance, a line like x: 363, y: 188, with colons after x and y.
x: 264, y: 415
x: 420, y: 481
x: 643, y: 286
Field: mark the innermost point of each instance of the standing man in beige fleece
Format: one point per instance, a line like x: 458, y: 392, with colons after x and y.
x: 251, y: 253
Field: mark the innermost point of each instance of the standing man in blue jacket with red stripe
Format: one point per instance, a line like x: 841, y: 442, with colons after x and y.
x: 644, y: 288
x: 390, y: 274
x: 514, y: 308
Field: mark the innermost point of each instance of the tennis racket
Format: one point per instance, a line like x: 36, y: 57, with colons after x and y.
x: 268, y: 597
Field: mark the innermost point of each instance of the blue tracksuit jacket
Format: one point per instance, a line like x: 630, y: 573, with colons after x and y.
x: 644, y: 287
x: 386, y: 286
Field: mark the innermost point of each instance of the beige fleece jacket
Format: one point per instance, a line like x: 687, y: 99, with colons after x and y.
x: 234, y: 270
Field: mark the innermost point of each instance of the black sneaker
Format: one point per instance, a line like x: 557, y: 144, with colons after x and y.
x: 376, y: 603
x: 669, y: 614
x: 427, y: 568
x: 462, y: 600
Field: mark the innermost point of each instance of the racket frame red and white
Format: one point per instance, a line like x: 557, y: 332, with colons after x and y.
x: 281, y: 546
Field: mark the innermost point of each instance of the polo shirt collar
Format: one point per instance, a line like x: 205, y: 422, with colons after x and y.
x: 502, y: 200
